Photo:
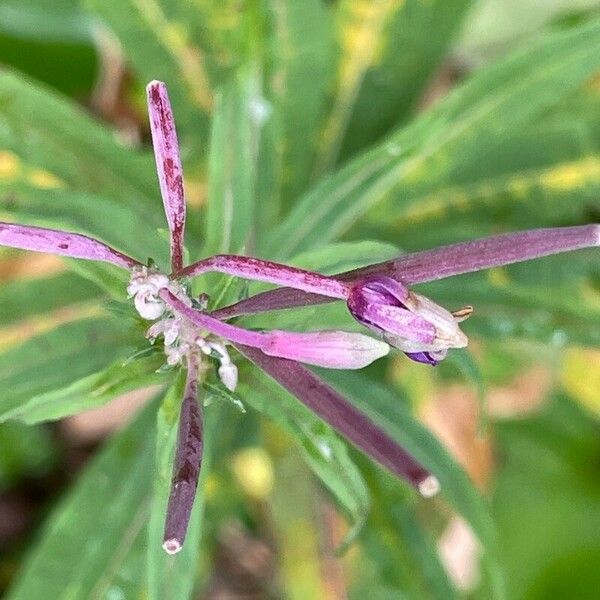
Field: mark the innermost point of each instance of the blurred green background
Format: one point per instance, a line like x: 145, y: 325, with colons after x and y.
x: 519, y: 412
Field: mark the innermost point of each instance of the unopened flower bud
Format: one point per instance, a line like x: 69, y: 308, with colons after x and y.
x: 145, y: 285
x: 228, y: 374
x: 332, y: 349
x: 408, y: 321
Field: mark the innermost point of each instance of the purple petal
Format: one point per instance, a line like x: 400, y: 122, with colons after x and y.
x: 269, y: 272
x: 396, y: 321
x: 168, y: 166
x: 438, y: 263
x: 63, y: 243
x: 344, y: 418
x: 428, y: 358
x: 186, y: 467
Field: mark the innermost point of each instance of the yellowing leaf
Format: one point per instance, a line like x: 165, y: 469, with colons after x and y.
x: 580, y: 376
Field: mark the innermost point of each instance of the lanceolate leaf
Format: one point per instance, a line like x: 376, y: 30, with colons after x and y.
x: 54, y: 359
x: 546, y: 173
x: 384, y: 408
x: 398, y: 543
x: 92, y: 532
x: 406, y: 55
x: 59, y: 147
x: 360, y: 26
x: 324, y: 452
x: 159, y: 42
x: 91, y: 391
x: 234, y: 138
x: 20, y: 299
x: 303, y: 49
x: 499, y: 99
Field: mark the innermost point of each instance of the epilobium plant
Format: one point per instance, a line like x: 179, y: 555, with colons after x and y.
x: 316, y: 178
x: 377, y: 296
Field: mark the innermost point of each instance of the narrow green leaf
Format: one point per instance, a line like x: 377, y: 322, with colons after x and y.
x: 545, y: 173
x: 159, y: 39
x: 51, y: 144
x: 219, y: 392
x: 22, y: 299
x: 230, y: 214
x: 397, y: 543
x: 413, y: 39
x: 360, y: 27
x: 302, y: 48
x: 383, y: 406
x: 504, y: 97
x: 92, y: 531
x: 54, y: 359
x: 91, y: 391
x: 324, y: 452
x: 45, y: 20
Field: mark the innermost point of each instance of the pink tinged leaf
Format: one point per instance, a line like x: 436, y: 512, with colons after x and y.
x: 330, y: 349
x: 186, y: 466
x: 347, y: 420
x: 74, y: 245
x: 437, y: 263
x: 168, y: 166
x: 269, y: 272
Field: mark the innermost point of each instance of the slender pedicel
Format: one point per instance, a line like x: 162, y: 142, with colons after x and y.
x: 330, y: 349
x: 334, y: 409
x: 269, y: 272
x: 63, y: 243
x: 438, y: 263
x: 186, y: 466
x: 168, y: 166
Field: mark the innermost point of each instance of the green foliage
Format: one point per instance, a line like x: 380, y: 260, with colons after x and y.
x: 546, y: 502
x: 110, y: 505
x: 306, y: 123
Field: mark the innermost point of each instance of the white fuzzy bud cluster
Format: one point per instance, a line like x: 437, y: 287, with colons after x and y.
x: 180, y: 336
x: 144, y: 287
x: 227, y: 371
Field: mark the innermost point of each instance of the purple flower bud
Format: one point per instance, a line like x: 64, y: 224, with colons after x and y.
x: 408, y: 321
